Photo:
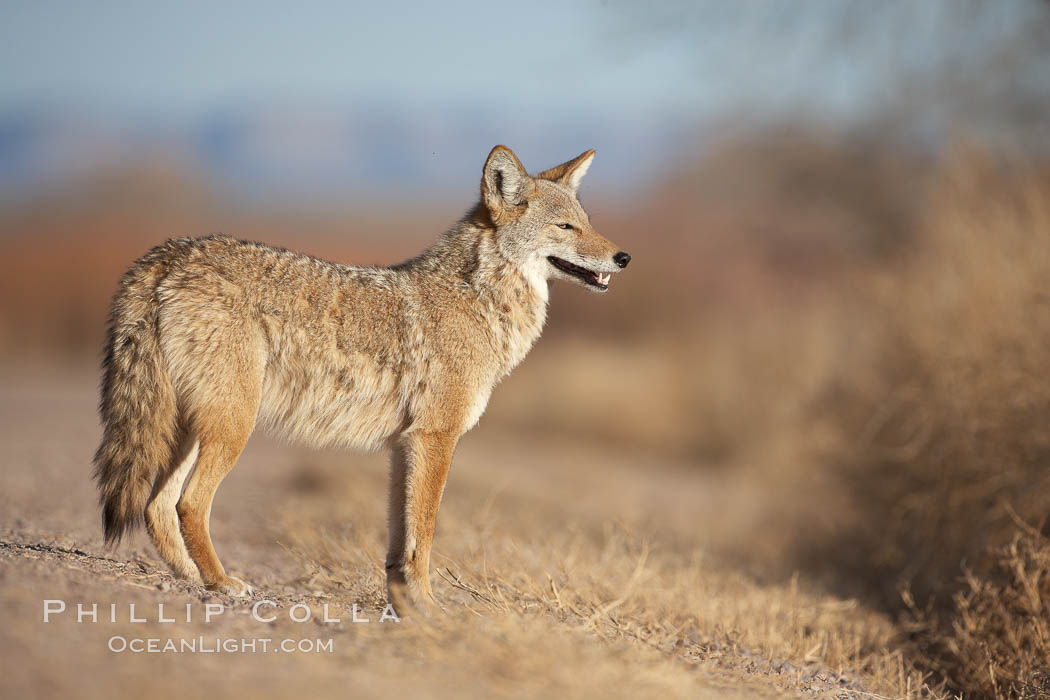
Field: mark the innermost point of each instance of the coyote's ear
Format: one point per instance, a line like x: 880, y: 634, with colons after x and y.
x: 570, y: 172
x: 504, y: 183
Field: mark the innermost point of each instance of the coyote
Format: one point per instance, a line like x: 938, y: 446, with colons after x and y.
x: 209, y: 337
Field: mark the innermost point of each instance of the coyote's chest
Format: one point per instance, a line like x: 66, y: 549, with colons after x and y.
x: 515, y: 313
x: 514, y: 327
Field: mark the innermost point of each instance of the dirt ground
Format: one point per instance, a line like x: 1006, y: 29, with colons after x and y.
x: 564, y: 570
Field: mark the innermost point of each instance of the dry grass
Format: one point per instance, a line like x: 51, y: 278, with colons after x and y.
x: 998, y: 645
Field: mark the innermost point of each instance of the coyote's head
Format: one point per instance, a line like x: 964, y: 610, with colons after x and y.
x: 540, y: 225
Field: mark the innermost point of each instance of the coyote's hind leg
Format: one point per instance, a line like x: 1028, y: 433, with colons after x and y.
x: 162, y: 519
x: 221, y: 444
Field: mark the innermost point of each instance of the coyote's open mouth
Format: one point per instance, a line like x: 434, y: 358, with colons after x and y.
x: 595, y: 279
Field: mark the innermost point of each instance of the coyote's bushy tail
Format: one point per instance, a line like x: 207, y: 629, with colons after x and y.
x: 138, y: 407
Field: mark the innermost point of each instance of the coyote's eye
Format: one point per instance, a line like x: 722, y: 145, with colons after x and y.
x: 567, y: 227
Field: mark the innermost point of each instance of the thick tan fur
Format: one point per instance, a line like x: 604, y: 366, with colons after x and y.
x: 210, y: 337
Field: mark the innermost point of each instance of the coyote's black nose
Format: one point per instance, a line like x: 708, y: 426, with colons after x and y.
x: 622, y: 259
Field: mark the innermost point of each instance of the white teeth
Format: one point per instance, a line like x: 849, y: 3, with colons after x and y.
x: 605, y: 279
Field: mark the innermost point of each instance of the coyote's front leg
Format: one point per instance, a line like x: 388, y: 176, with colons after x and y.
x: 419, y: 467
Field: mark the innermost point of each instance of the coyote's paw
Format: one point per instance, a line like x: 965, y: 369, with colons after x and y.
x: 410, y: 600
x: 231, y: 586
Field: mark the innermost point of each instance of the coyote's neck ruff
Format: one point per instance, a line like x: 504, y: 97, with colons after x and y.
x: 512, y: 303
x: 211, y: 336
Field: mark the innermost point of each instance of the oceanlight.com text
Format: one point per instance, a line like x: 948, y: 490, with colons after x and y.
x: 218, y: 645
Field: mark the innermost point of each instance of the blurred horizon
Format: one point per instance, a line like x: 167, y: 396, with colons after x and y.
x: 350, y: 104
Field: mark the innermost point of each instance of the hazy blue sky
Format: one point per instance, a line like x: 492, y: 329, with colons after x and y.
x: 184, y: 57
x: 823, y: 57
